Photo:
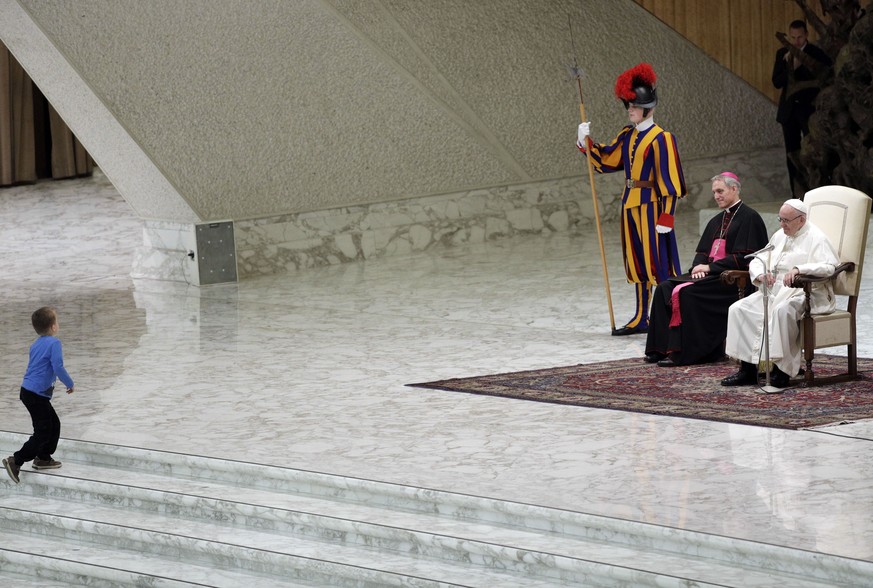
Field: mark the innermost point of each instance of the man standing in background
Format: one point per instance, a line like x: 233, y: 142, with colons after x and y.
x: 798, y: 72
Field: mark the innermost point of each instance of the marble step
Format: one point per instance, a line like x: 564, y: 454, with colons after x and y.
x: 270, y: 553
x: 70, y: 561
x: 121, y: 498
x: 110, y: 486
x: 35, y: 577
x: 97, y: 513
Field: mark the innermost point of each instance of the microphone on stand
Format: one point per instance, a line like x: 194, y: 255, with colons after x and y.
x: 769, y: 247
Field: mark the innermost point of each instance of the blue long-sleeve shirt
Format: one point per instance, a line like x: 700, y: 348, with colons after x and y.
x: 45, y: 365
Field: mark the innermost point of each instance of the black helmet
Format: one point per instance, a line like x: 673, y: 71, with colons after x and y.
x: 646, y: 97
x: 637, y: 86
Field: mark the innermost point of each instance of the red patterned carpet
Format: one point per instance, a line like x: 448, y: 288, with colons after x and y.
x: 688, y: 391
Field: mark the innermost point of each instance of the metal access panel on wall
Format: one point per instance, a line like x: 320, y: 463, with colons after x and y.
x: 216, y: 253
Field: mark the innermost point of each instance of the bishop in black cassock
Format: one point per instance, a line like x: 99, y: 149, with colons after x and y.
x: 688, y: 318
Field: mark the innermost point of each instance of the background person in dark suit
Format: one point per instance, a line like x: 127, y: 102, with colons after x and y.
x: 798, y: 71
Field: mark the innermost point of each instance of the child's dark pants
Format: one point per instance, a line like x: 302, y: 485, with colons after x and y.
x: 46, y: 428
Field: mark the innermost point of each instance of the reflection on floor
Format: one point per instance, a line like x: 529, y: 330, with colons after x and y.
x: 308, y: 370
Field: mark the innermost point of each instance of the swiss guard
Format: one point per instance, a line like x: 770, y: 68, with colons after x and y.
x: 654, y: 183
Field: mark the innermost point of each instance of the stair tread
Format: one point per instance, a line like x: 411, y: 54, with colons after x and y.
x: 227, y: 508
x: 58, y: 555
x: 22, y: 580
x: 352, y: 554
x: 224, y: 543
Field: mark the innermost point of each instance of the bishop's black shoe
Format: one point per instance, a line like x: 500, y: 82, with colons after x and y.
x: 653, y: 357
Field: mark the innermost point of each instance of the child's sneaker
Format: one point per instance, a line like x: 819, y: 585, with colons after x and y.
x: 46, y: 464
x: 12, y: 468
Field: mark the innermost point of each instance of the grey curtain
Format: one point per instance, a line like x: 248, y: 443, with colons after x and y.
x: 34, y: 141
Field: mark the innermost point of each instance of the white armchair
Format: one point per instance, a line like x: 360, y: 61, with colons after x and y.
x: 844, y: 215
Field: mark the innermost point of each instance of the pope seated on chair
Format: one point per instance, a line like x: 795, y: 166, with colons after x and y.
x: 688, y: 318
x: 798, y: 248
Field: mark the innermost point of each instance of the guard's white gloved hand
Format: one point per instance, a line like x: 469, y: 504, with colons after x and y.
x: 583, y: 132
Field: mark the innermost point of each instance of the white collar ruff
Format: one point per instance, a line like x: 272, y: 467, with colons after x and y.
x: 646, y: 124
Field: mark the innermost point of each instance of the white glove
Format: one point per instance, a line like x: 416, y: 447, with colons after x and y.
x: 582, y: 134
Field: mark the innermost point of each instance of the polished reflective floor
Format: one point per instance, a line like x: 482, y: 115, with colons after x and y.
x: 308, y: 369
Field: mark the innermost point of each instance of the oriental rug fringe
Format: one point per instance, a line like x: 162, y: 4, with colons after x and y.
x: 687, y: 391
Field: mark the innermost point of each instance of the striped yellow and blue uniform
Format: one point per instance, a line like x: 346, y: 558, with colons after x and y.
x: 649, y: 156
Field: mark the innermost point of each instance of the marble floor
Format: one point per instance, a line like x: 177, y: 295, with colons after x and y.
x: 307, y: 370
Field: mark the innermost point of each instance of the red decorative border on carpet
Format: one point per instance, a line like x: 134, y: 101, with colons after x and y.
x: 688, y: 391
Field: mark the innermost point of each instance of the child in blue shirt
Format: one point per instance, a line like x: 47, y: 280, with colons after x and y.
x: 45, y: 365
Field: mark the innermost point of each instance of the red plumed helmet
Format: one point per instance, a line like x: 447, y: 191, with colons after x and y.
x: 637, y: 86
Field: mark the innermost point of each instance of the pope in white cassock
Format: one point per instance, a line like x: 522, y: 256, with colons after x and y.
x: 798, y: 248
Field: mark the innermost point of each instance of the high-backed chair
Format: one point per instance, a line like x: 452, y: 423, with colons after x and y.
x: 844, y: 215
